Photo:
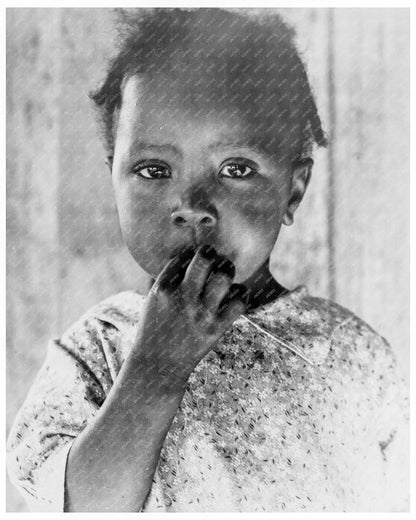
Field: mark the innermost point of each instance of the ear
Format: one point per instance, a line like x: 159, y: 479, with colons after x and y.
x: 301, y: 175
x: 109, y: 162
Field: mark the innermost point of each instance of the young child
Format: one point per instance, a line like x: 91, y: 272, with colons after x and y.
x: 220, y: 390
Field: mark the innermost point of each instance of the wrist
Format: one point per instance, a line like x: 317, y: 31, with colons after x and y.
x: 161, y: 374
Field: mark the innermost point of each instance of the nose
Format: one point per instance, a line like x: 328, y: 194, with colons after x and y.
x: 193, y: 218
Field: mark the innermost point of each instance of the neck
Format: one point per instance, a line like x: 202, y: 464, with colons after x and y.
x: 263, y: 287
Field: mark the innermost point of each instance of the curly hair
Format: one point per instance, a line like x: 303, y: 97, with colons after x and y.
x: 222, y: 46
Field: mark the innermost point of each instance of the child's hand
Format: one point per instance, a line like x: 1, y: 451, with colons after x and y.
x: 181, y: 321
x: 189, y: 307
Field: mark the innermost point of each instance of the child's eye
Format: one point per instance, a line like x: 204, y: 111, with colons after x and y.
x: 152, y: 171
x: 237, y: 170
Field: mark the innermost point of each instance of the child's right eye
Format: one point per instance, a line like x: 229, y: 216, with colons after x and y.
x: 152, y: 171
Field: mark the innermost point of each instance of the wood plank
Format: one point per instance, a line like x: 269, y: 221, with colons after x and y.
x: 33, y: 90
x: 301, y: 252
x: 95, y: 262
x: 372, y: 169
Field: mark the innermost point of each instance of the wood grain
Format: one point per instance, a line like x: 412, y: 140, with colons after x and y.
x: 301, y: 254
x: 372, y: 169
x: 33, y: 121
x: 93, y: 258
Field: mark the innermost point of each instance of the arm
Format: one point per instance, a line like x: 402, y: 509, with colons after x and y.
x: 394, y: 437
x: 387, y: 484
x: 112, y: 463
x: 127, y: 435
x: 67, y: 420
x: 113, y: 442
x: 64, y: 397
x: 376, y: 432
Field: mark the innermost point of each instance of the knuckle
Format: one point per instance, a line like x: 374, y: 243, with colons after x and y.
x: 220, y: 279
x: 189, y: 288
x: 204, y: 315
x: 198, y: 268
x: 211, y: 328
x: 202, y: 263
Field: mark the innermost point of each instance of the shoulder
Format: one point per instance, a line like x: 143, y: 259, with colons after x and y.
x: 300, y: 312
x: 119, y: 311
x: 344, y: 324
x: 99, y: 341
x: 317, y: 326
x: 357, y: 337
x: 356, y: 348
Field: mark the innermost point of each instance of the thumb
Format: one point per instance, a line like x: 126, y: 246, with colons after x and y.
x: 173, y: 273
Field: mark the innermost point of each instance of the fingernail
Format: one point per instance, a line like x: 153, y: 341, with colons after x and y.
x: 225, y: 266
x: 183, y: 253
x: 208, y: 252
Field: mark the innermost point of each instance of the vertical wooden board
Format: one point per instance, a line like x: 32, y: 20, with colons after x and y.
x: 33, y: 119
x: 301, y: 252
x: 395, y: 49
x: 33, y: 70
x: 94, y: 260
x: 372, y: 177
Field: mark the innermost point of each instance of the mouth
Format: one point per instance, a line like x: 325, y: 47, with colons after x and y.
x: 193, y: 246
x: 178, y: 250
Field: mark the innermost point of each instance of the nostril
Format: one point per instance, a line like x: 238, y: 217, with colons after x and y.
x: 179, y: 220
x: 192, y: 218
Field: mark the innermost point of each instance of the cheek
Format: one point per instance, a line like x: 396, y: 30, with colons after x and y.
x: 259, y: 211
x: 141, y: 221
x: 248, y: 226
x: 252, y: 227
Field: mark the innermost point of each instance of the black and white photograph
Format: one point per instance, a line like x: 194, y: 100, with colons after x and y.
x: 207, y: 259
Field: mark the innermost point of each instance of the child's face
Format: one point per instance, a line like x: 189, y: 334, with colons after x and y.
x: 191, y: 148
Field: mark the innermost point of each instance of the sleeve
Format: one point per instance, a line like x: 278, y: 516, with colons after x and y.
x: 394, y: 438
x: 66, y: 394
x: 378, y: 398
x: 390, y: 420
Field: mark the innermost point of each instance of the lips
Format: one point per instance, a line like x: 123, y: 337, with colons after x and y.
x: 181, y: 249
x: 193, y: 246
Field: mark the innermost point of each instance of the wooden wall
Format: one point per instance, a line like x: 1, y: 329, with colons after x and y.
x: 349, y: 242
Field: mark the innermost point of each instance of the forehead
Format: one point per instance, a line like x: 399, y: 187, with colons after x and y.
x: 164, y: 104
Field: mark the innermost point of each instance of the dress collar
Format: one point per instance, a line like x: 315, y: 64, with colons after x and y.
x: 301, y: 323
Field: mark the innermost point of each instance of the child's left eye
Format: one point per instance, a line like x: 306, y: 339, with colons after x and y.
x: 236, y: 170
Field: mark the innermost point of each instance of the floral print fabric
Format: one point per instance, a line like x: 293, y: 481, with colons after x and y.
x: 298, y: 407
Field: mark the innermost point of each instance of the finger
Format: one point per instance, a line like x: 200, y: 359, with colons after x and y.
x: 173, y: 273
x: 198, y: 271
x: 223, y: 265
x: 216, y: 288
x: 234, y: 303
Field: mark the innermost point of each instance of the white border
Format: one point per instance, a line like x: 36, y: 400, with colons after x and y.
x: 202, y: 3
x: 224, y: 3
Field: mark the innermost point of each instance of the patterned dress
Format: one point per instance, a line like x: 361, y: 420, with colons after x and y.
x: 298, y: 407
